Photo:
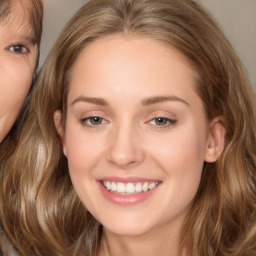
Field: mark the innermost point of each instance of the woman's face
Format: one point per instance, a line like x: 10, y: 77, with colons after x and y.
x: 136, y: 136
x: 18, y: 57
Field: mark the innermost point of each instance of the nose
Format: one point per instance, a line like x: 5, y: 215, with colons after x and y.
x: 125, y: 149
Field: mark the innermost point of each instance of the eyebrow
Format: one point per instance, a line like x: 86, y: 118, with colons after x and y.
x: 28, y: 35
x: 97, y: 101
x: 145, y: 102
x: 30, y: 39
x: 24, y: 32
x: 159, y: 99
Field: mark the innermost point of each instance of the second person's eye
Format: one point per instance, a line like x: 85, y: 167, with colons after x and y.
x: 19, y: 49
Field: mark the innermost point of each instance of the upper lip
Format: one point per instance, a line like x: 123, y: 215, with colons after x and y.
x: 128, y: 179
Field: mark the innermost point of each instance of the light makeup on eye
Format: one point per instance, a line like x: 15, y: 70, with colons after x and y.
x: 162, y: 121
x: 93, y: 121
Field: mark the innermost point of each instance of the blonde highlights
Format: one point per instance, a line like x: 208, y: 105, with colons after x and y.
x: 45, y: 215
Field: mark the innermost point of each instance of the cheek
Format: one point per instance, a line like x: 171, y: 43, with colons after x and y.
x: 24, y: 83
x: 82, y: 153
x: 15, y: 85
x: 181, y: 148
x: 20, y: 88
x: 181, y: 160
x: 16, y: 80
x: 181, y: 157
x: 19, y: 81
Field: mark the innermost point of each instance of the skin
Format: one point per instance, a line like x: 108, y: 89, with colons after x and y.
x: 128, y: 83
x: 18, y: 57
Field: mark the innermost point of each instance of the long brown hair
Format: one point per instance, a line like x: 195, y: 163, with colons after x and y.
x: 45, y: 215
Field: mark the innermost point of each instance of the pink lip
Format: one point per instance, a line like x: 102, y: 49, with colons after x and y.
x: 126, y: 199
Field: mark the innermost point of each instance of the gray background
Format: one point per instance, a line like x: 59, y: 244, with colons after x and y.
x: 237, y: 18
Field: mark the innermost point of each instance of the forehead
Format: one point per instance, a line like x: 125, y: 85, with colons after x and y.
x: 16, y: 14
x: 12, y: 10
x: 126, y: 64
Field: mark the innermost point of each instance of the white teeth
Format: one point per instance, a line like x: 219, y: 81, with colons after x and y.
x: 113, y: 186
x: 138, y: 188
x: 107, y: 185
x: 145, y: 187
x: 152, y: 185
x: 120, y: 188
x: 129, y: 188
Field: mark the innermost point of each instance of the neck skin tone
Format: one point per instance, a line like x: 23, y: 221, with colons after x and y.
x: 135, y: 120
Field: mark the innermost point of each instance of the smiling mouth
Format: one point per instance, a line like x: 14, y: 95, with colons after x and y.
x: 129, y: 188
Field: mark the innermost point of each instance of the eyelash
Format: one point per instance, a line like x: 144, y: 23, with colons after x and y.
x: 91, y: 119
x: 166, y: 122
x: 14, y: 48
x: 159, y: 122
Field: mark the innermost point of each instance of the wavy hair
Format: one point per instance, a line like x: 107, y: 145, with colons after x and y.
x: 46, y: 217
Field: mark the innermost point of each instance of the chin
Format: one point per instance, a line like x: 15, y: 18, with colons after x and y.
x: 127, y: 228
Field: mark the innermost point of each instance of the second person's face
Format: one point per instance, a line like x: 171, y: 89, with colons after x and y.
x: 18, y: 57
x: 135, y: 135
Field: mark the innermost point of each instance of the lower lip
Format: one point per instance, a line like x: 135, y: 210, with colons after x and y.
x: 126, y: 199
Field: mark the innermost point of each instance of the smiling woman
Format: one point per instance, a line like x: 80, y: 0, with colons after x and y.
x: 139, y: 139
x: 120, y: 138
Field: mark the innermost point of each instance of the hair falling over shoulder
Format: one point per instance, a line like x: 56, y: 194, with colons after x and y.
x: 39, y: 208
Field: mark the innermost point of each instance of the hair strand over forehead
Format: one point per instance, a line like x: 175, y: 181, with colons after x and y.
x: 35, y: 9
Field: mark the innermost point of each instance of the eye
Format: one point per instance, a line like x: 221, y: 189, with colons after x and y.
x: 19, y: 49
x: 162, y: 121
x: 92, y: 121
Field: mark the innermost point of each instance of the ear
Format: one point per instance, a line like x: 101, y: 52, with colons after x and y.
x: 216, y: 140
x: 57, y: 117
